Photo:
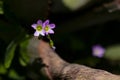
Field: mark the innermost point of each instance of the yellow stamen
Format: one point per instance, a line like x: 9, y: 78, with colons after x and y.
x: 47, y: 28
x: 39, y: 28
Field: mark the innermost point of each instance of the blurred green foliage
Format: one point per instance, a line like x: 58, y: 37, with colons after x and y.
x: 113, y: 52
x: 9, y: 54
x: 75, y: 4
x: 80, y: 24
x: 1, y: 9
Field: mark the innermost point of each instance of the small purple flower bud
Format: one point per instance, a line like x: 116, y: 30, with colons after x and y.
x: 98, y: 51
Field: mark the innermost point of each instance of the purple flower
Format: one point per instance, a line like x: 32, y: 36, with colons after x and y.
x: 48, y: 27
x: 98, y: 51
x: 43, y: 28
x: 39, y: 28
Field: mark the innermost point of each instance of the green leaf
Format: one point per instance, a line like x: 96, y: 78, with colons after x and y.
x: 113, y: 52
x: 1, y: 7
x: 3, y: 70
x: 24, y: 58
x: 22, y: 62
x: 10, y: 51
x: 14, y: 75
x: 75, y: 4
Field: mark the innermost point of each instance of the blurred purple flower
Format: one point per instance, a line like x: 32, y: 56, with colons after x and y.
x: 48, y: 27
x: 39, y: 28
x: 98, y: 51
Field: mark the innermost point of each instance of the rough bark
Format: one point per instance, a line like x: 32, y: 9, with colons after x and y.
x: 58, y: 69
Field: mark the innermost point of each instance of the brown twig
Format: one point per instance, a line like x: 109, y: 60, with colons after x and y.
x: 58, y: 69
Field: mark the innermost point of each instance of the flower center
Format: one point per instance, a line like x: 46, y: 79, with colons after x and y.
x: 47, y: 28
x: 39, y: 28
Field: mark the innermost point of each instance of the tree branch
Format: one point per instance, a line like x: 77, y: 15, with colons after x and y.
x: 58, y: 69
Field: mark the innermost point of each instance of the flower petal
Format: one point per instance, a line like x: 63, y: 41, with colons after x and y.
x: 52, y: 26
x: 39, y: 22
x: 51, y: 31
x: 42, y: 33
x: 34, y: 26
x: 36, y: 33
x: 46, y: 23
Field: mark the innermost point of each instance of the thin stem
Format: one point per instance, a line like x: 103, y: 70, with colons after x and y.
x: 51, y: 41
